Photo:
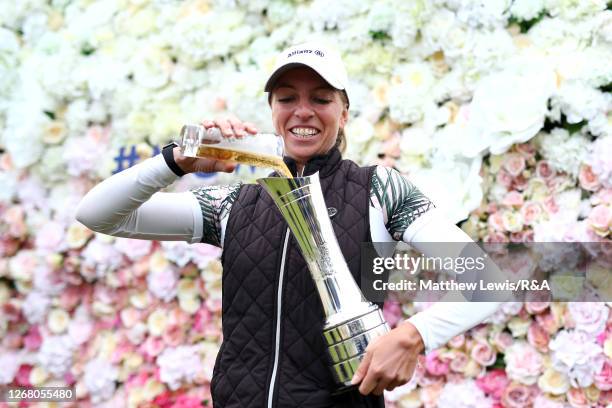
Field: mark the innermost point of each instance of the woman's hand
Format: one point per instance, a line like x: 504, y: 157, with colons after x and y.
x: 230, y: 127
x: 390, y: 360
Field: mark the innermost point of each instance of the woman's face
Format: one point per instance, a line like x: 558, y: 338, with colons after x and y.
x: 307, y: 112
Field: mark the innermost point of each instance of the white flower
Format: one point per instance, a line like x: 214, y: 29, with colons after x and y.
x: 526, y: 9
x: 179, y: 364
x: 579, y: 102
x: 483, y: 13
x: 411, y: 84
x: 465, y: 394
x: 523, y: 363
x: 508, y: 107
x: 99, y: 378
x: 576, y: 354
x: 599, y: 159
x: 570, y: 9
x: 10, y: 362
x: 35, y: 307
x: 55, y: 354
x: 563, y: 151
x: 101, y: 256
x: 590, y: 317
x: 177, y: 251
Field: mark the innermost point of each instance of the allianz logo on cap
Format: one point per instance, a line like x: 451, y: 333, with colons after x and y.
x: 306, y: 51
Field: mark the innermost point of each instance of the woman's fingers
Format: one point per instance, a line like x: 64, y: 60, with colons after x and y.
x: 231, y: 126
x: 237, y: 127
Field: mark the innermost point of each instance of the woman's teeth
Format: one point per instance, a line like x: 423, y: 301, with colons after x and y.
x: 304, y: 132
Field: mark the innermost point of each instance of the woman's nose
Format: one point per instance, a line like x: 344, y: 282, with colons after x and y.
x: 303, y: 110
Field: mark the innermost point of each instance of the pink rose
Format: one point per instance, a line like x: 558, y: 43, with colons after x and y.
x: 496, y: 221
x: 536, y: 307
x: 187, y: 401
x: 504, y: 178
x: 550, y: 205
x: 457, y: 341
x: 173, y: 335
x: 153, y: 346
x: 542, y: 402
x: 22, y: 378
x: 493, y: 383
x: 527, y: 150
x: 50, y: 238
x: 588, y: 179
x: 8, y: 246
x: 14, y: 218
x: 502, y: 340
x: 520, y: 183
x: 496, y: 237
x: 531, y: 212
x: 134, y: 249
x: 603, y: 196
x: 517, y: 396
x: 603, y: 380
x: 459, y: 361
x: 548, y: 321
x: 430, y: 394
x: 590, y: 317
x: 537, y: 337
x: 544, y: 170
x: 523, y: 363
x: 483, y: 354
x: 513, y: 199
x: 600, y: 219
x: 577, y: 399
x: 435, y: 365
x: 514, y: 164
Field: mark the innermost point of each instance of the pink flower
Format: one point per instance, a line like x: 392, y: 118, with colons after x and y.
x: 134, y: 249
x: 32, y: 339
x: 457, y: 341
x: 589, y: 317
x: 588, y: 179
x: 527, y: 150
x: 483, y: 354
x: 496, y: 221
x: 577, y: 399
x: 187, y: 401
x: 600, y: 219
x: 431, y: 393
x: 50, y: 238
x: 496, y: 237
x: 392, y: 311
x: 536, y: 307
x: 541, y: 401
x: 513, y: 199
x: 544, y: 170
x: 531, y: 212
x: 153, y: 346
x: 537, y: 337
x: 459, y: 361
x: 548, y: 321
x: 435, y: 365
x: 514, y: 164
x: 14, y: 218
x: 504, y: 178
x: 603, y: 380
x: 493, y: 383
x: 517, y: 396
x: 502, y: 340
x: 22, y: 378
x: 550, y: 205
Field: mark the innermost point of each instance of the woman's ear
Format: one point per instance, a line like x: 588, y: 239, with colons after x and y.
x: 344, y: 117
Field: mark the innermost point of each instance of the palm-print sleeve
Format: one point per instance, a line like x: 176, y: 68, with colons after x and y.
x: 215, y: 204
x: 400, y: 201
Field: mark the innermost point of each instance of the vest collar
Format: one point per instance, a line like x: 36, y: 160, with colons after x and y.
x: 325, y: 164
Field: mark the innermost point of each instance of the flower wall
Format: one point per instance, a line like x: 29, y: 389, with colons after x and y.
x: 498, y: 110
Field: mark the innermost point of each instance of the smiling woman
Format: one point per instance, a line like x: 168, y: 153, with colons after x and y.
x: 273, y: 353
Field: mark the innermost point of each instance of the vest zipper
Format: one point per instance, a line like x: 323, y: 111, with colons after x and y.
x: 279, y: 297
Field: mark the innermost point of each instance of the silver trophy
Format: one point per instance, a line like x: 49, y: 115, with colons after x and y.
x: 351, y: 322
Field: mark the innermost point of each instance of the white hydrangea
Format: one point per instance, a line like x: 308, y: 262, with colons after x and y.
x: 10, y: 362
x: 100, y: 376
x: 465, y: 394
x: 179, y: 364
x: 579, y: 102
x: 411, y: 84
x: 56, y: 354
x: 563, y: 151
x: 526, y: 9
x: 35, y: 307
x: 101, y: 256
x: 576, y: 354
x: 572, y: 9
x: 483, y: 13
x: 178, y: 252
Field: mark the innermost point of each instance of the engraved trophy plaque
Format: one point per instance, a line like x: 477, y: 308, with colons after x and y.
x: 351, y: 322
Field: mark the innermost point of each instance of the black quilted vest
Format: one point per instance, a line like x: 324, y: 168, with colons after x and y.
x: 252, y: 256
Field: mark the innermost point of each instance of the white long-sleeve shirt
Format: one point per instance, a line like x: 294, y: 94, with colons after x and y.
x: 130, y: 204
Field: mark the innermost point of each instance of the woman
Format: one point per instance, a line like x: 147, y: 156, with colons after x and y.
x: 273, y: 352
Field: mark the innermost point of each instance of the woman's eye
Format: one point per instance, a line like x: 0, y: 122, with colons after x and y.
x: 322, y: 101
x: 285, y: 99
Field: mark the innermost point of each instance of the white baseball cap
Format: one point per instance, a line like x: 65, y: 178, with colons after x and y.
x: 323, y: 59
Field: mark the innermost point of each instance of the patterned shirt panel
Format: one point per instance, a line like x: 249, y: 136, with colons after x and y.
x: 400, y: 201
x: 215, y: 204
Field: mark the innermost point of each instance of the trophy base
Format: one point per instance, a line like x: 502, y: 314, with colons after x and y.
x: 347, y: 342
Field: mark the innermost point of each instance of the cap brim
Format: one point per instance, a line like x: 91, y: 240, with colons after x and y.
x: 281, y: 70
